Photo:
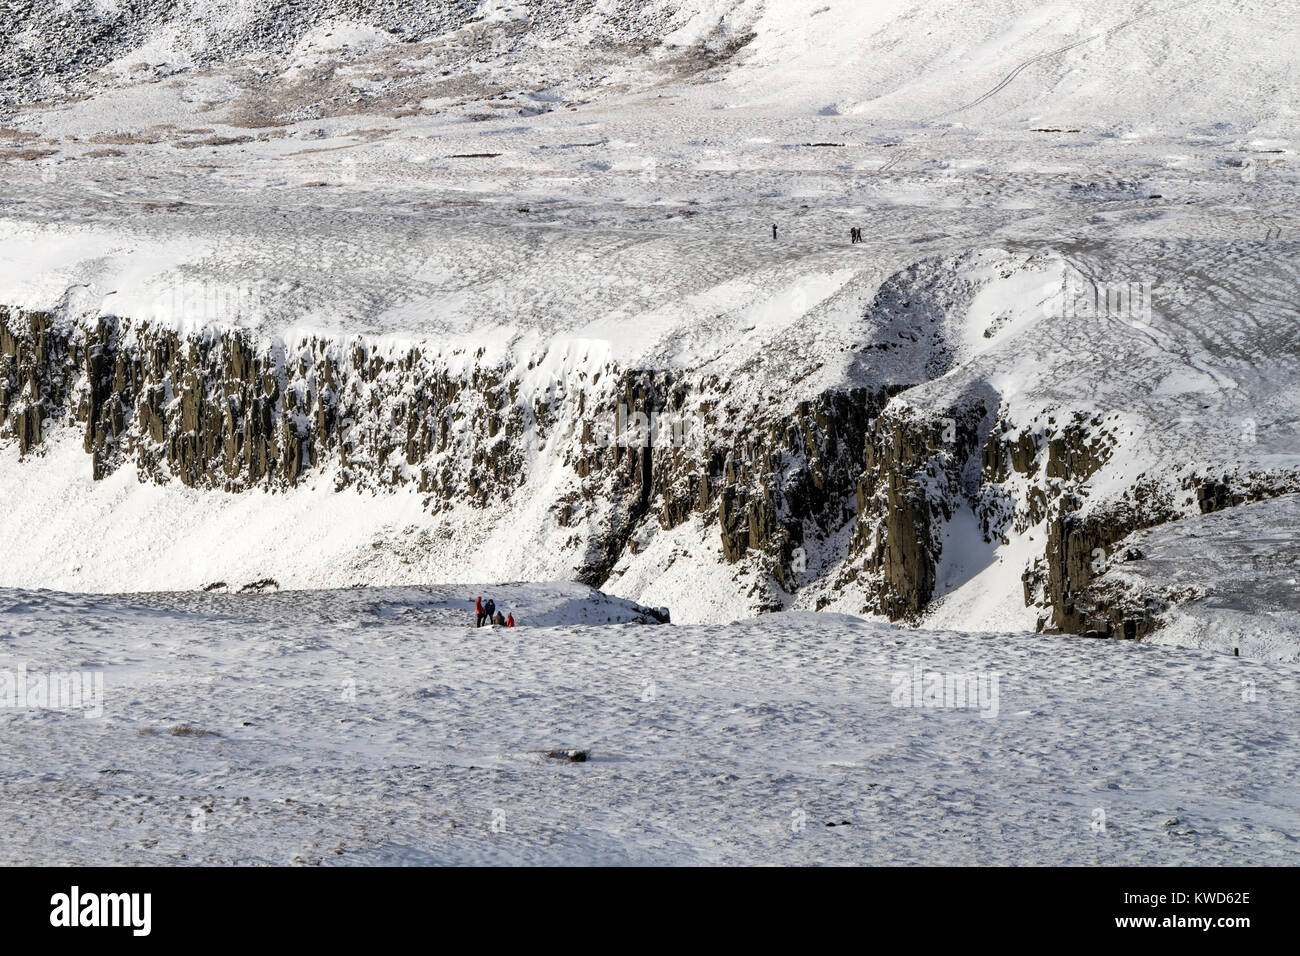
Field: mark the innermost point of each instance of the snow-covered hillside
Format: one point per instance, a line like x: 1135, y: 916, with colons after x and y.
x: 1151, y: 64
x: 320, y: 318
x: 338, y: 293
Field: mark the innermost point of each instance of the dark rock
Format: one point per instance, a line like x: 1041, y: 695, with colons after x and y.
x: 265, y: 584
x: 573, y: 756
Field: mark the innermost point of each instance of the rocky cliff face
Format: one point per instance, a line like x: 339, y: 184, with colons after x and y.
x: 775, y: 486
x: 848, y: 492
x: 218, y: 410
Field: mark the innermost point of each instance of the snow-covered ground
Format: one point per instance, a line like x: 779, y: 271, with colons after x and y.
x: 1237, y: 574
x: 378, y: 726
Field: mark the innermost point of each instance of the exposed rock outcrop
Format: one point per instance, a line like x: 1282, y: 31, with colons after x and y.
x: 853, y: 488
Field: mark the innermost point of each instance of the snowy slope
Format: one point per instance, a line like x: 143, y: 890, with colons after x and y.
x: 330, y: 728
x: 1003, y: 61
x: 1236, y: 574
x: 1123, y: 66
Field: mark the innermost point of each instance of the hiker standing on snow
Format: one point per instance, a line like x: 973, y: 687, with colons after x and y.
x: 478, y: 611
x: 773, y: 230
x: 489, y: 609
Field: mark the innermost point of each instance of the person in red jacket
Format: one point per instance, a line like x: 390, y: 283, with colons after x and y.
x: 479, y: 613
x: 510, y: 619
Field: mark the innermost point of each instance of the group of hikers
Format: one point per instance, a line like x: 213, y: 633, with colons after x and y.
x: 488, y: 614
x: 855, y: 233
